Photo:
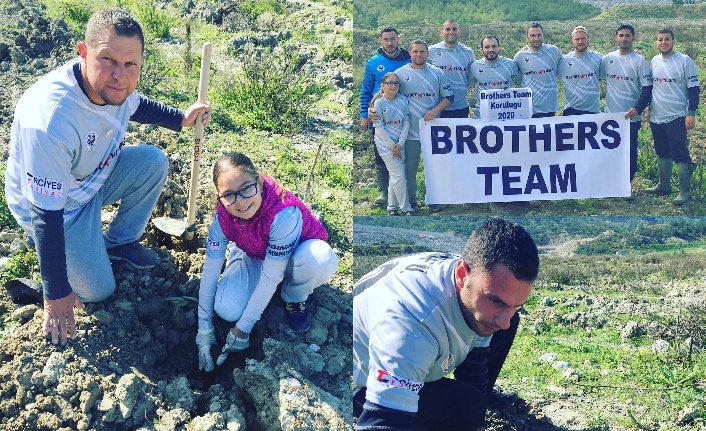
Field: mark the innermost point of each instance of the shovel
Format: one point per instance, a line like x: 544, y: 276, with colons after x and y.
x: 173, y: 226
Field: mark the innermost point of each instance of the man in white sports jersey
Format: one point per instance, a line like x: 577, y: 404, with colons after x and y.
x: 538, y: 67
x: 429, y: 92
x: 493, y: 71
x: 455, y: 59
x: 675, y: 99
x: 579, y: 70
x: 68, y: 159
x: 418, y: 318
x: 628, y: 85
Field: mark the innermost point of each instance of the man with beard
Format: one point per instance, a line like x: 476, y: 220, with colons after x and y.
x: 538, y: 67
x: 580, y: 70
x: 68, y: 159
x: 418, y: 318
x: 455, y: 59
x: 628, y: 85
x: 675, y: 99
x: 493, y: 71
x: 388, y: 58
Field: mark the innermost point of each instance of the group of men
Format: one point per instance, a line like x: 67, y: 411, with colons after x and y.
x: 443, y: 73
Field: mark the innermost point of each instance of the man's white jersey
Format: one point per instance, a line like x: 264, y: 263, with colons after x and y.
x: 456, y: 64
x: 580, y: 75
x: 625, y: 75
x: 424, y: 88
x: 671, y: 77
x: 393, y: 115
x: 492, y: 76
x: 62, y: 146
x: 539, y: 72
x: 408, y: 328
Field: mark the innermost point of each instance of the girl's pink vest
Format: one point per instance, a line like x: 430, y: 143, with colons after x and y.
x: 252, y: 235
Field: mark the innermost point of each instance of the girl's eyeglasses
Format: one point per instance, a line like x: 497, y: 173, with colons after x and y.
x: 229, y: 199
x: 392, y: 83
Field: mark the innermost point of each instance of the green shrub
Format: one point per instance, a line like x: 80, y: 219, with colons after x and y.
x: 272, y: 91
x: 155, y: 22
x: 22, y: 265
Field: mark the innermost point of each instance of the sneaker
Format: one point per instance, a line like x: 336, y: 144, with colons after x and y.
x: 500, y: 399
x: 24, y: 291
x: 134, y: 255
x: 409, y: 213
x: 393, y: 212
x: 298, y: 316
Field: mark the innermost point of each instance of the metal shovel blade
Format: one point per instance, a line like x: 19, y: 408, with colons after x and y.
x: 171, y: 226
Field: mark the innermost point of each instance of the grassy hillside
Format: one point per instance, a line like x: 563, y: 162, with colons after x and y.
x: 370, y: 14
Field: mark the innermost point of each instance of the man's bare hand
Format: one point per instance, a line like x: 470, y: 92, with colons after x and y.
x: 372, y: 115
x: 365, y: 123
x: 690, y: 122
x: 632, y: 113
x: 193, y: 112
x: 59, y: 316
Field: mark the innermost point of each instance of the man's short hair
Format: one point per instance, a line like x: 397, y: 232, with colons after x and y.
x: 534, y: 25
x: 499, y: 241
x: 388, y: 30
x: 116, y: 20
x: 666, y: 30
x: 580, y: 28
x: 418, y: 42
x: 489, y: 36
x: 625, y: 27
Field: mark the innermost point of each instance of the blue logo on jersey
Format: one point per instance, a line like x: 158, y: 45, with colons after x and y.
x: 91, y: 140
x: 381, y: 68
x: 480, y: 70
x: 527, y: 59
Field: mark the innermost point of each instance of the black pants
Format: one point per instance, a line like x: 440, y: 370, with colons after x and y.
x: 573, y: 111
x: 634, y: 128
x: 455, y: 113
x: 670, y: 140
x: 455, y: 405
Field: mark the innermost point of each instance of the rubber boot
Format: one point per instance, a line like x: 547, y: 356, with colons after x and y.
x: 664, y: 186
x: 383, y: 178
x: 685, y: 171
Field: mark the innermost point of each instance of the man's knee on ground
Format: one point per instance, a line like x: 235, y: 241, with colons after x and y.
x: 98, y: 291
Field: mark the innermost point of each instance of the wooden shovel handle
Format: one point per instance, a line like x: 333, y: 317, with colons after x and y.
x: 198, y: 134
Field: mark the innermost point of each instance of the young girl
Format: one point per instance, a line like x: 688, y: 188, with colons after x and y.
x: 390, y: 135
x: 276, y: 237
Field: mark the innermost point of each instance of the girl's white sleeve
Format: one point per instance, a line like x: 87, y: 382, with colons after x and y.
x: 215, y: 256
x: 285, y: 232
x: 381, y: 134
x: 405, y: 129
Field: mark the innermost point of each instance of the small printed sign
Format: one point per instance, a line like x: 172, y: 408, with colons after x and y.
x: 508, y: 104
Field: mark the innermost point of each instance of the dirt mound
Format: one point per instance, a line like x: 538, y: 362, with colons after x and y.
x: 134, y: 364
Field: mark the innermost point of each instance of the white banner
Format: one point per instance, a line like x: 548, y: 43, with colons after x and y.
x: 554, y: 158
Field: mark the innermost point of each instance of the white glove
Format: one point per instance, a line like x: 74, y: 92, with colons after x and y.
x: 233, y: 344
x: 204, y: 339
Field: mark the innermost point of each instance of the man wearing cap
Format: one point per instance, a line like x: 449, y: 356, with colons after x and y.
x: 628, y: 85
x: 675, y: 99
x: 580, y: 70
x: 538, y: 67
x: 454, y: 59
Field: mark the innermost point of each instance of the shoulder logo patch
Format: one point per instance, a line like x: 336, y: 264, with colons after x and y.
x: 91, y: 140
